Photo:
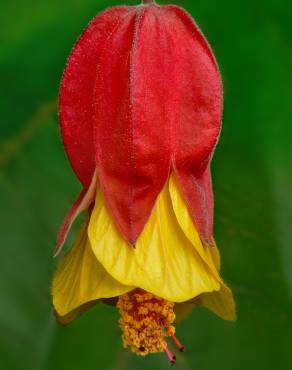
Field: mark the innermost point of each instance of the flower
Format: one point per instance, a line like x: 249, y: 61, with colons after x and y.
x: 140, y: 115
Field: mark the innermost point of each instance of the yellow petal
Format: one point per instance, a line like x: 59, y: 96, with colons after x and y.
x: 72, y: 315
x: 221, y: 303
x: 209, y: 254
x: 183, y: 310
x: 164, y: 261
x: 215, y: 256
x: 80, y: 279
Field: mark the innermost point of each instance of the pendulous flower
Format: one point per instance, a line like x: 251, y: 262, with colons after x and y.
x: 140, y: 116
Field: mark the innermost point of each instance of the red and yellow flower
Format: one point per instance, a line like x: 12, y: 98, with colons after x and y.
x: 140, y: 114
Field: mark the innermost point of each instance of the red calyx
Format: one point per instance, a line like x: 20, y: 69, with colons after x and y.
x: 141, y: 96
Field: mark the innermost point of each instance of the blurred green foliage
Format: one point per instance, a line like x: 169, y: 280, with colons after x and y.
x: 252, y: 182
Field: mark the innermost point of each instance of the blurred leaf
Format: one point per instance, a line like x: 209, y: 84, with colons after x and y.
x: 252, y: 184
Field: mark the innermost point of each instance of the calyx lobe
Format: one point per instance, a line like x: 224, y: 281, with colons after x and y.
x: 141, y: 96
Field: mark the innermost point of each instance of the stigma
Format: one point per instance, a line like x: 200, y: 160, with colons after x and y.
x: 146, y: 321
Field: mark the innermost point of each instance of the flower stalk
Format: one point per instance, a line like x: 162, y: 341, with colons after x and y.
x: 146, y: 2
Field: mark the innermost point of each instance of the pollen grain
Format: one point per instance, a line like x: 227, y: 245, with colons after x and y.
x: 145, y: 322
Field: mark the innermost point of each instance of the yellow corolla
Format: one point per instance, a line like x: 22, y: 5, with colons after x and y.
x: 168, y: 267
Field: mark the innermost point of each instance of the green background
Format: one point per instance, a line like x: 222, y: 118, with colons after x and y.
x: 252, y: 41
